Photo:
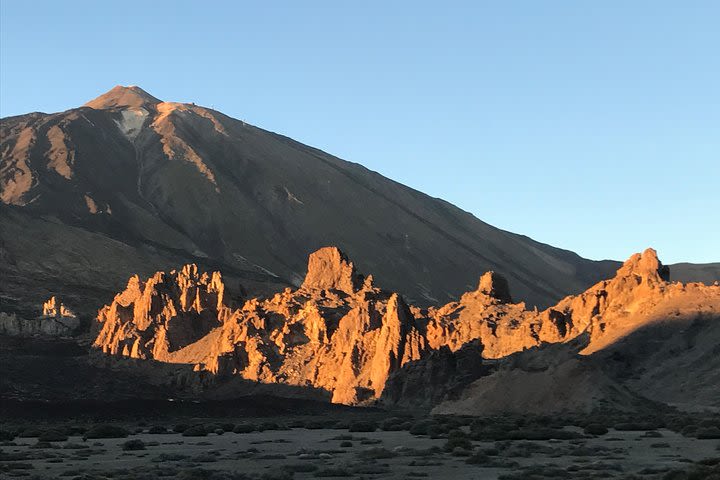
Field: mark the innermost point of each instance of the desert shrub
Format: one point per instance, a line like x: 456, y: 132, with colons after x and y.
x: 106, y: 431
x: 269, y: 426
x: 376, y: 453
x: 478, y: 458
x: 537, y: 472
x: 708, y: 433
x: 134, y: 444
x: 346, y: 444
x: 180, y: 427
x: 219, y: 431
x: 332, y: 472
x: 370, y: 441
x: 542, y: 434
x: 595, y: 429
x: 363, y: 426
x: 339, y: 425
x: 71, y: 430
x: 704, y: 470
x: 301, y: 467
x: 30, y: 433
x: 7, y: 435
x: 170, y: 457
x: 367, y: 468
x: 52, y: 436
x: 228, y: 427
x: 244, y: 428
x: 457, y: 439
x: 420, y: 428
x: 709, y: 422
x: 394, y: 424
x: 689, y: 430
x: 195, y: 431
x: 157, y: 430
x: 42, y: 445
x: 634, y: 426
x: 204, y: 457
x: 437, y: 430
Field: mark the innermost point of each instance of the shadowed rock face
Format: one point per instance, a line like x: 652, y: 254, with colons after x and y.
x: 137, y: 185
x: 340, y: 333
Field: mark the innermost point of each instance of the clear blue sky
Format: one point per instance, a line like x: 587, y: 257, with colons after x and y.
x: 592, y: 126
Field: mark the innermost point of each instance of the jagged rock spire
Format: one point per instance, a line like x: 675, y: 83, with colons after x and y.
x: 330, y: 269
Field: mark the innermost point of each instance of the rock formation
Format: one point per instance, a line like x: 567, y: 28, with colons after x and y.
x: 54, y: 308
x: 56, y: 320
x: 337, y: 332
x: 340, y: 333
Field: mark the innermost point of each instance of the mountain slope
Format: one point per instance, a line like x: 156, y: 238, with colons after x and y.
x: 162, y: 182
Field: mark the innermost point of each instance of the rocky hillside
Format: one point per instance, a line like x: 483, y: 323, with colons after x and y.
x: 340, y: 333
x: 128, y: 184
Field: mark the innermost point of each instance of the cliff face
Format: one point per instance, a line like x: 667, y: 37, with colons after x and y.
x: 340, y: 333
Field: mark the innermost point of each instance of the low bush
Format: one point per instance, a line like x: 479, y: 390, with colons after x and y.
x: 457, y: 439
x: 52, y: 436
x: 595, y: 429
x: 332, y: 472
x: 244, y: 428
x: 269, y: 426
x: 363, y: 426
x: 634, y: 426
x: 157, y: 430
x: 420, y: 428
x: 394, y: 424
x: 134, y: 444
x: 376, y: 453
x: 106, y: 431
x: 708, y: 433
x: 180, y: 427
x: 195, y: 431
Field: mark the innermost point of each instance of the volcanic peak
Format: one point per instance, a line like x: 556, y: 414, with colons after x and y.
x: 124, y: 97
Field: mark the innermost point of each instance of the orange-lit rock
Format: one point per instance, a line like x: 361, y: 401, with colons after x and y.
x: 340, y: 333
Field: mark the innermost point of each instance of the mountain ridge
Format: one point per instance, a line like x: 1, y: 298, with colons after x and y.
x: 180, y: 183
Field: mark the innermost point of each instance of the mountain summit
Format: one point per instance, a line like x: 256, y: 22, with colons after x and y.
x: 123, y: 97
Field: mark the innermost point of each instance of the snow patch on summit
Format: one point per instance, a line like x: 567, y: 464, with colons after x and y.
x: 131, y: 122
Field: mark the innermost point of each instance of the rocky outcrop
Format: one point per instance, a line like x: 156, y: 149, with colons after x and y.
x: 155, y: 318
x: 340, y: 333
x: 329, y: 269
x: 56, y: 320
x: 337, y: 332
x: 633, y: 336
x: 54, y: 308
